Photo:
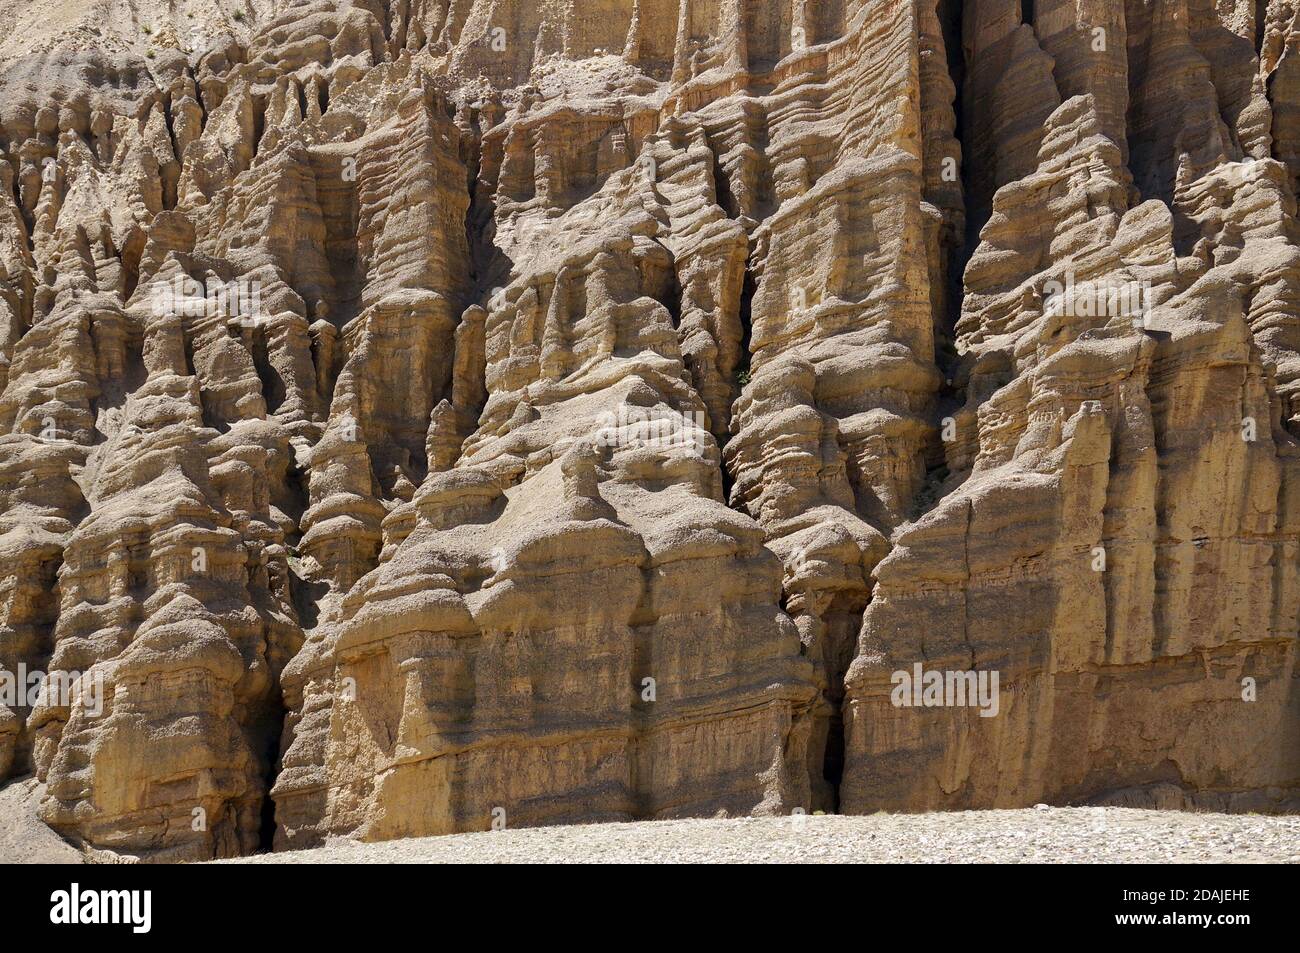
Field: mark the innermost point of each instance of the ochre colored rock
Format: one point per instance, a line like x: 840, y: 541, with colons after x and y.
x: 418, y: 418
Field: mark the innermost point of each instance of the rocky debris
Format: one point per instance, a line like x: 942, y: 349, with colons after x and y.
x: 24, y: 837
x: 419, y: 418
x: 1059, y: 836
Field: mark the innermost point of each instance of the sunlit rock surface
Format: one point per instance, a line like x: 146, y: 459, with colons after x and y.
x: 419, y: 418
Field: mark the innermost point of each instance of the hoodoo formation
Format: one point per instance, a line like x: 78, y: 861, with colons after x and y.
x: 424, y: 416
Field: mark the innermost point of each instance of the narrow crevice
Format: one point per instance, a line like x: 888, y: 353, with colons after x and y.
x: 301, y: 90
x: 748, y: 289
x: 259, y: 122
x: 478, y: 214
x: 273, y: 386
x: 203, y: 106
x: 742, y: 370
x: 951, y: 396
x: 671, y: 298
x: 307, y: 597
x: 15, y: 183
x: 722, y: 186
x: 132, y: 252
x: 950, y: 18
x: 266, y: 825
x: 170, y: 183
x: 833, y: 757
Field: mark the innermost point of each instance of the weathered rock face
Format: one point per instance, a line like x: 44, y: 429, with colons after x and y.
x: 419, y: 417
x: 1116, y: 534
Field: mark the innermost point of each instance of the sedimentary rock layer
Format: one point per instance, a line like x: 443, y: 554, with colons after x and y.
x: 419, y: 417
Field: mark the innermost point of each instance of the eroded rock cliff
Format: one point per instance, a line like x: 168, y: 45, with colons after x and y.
x: 420, y: 417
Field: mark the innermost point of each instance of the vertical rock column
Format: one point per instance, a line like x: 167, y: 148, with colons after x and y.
x: 830, y: 434
x: 532, y: 649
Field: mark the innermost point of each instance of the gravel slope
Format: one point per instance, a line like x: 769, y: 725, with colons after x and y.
x: 23, y: 838
x: 118, y: 27
x: 1095, y: 835
x: 1051, y: 835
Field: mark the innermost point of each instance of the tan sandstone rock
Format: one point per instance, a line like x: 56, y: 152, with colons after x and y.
x: 419, y: 418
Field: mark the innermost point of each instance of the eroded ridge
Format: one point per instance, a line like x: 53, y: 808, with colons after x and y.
x: 419, y: 418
